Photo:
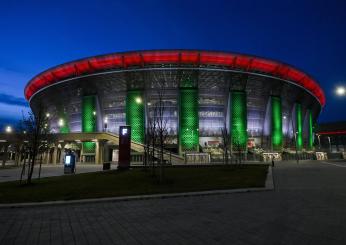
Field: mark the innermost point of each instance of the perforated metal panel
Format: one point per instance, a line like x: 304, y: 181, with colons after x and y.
x: 239, y: 119
x: 135, y: 114
x: 89, y: 122
x: 64, y: 128
x: 188, y: 119
x: 299, y: 126
x: 276, y: 125
x: 311, y: 133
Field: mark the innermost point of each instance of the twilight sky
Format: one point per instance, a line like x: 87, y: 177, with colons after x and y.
x: 36, y: 35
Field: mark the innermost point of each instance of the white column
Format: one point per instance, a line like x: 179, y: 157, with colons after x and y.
x: 99, y: 152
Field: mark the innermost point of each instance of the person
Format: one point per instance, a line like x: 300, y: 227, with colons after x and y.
x: 272, y: 161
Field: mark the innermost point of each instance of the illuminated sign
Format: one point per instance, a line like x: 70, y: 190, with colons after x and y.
x: 68, y: 160
x: 124, y: 147
x: 124, y: 131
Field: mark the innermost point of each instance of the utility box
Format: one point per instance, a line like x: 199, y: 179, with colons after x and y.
x: 69, y: 163
x: 124, y: 147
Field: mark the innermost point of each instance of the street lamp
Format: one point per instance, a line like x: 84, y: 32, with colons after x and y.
x: 8, y: 129
x: 340, y: 91
x: 47, y: 115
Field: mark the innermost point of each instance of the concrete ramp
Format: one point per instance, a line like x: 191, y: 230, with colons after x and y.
x: 114, y: 138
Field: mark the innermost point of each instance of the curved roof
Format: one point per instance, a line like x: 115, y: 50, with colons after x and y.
x: 141, y: 59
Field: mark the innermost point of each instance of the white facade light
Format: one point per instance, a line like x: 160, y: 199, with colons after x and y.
x: 138, y: 100
x: 61, y: 122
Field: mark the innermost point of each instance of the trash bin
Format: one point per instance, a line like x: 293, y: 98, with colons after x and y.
x: 106, y: 166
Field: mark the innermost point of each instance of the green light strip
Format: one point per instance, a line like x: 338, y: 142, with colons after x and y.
x: 299, y: 126
x: 239, y: 120
x: 188, y: 119
x: 276, y: 125
x: 135, y: 116
x: 311, y: 133
x: 89, y: 121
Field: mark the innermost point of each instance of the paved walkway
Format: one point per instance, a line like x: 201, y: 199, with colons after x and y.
x: 307, y: 207
x: 13, y: 173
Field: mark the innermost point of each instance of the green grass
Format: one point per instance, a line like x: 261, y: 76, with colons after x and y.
x: 133, y: 182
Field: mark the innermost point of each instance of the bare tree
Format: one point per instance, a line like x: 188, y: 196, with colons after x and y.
x: 161, y: 124
x: 239, y: 148
x: 151, y: 141
x: 36, y: 128
x: 225, y: 142
x: 157, y: 131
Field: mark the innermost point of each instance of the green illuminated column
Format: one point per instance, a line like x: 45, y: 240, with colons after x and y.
x: 276, y: 123
x: 188, y: 119
x: 239, y: 119
x: 311, y: 133
x: 135, y: 116
x: 89, y: 121
x: 299, y: 127
x: 63, y: 123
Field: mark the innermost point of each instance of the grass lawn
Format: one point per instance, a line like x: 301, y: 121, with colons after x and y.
x: 134, y: 182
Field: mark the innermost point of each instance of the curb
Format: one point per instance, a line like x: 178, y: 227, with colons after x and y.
x: 269, y: 185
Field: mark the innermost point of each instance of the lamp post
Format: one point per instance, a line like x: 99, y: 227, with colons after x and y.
x: 330, y: 145
x: 319, y: 141
x: 105, y: 124
x: 295, y: 137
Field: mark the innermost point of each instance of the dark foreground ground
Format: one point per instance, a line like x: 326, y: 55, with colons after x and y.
x: 134, y: 182
x: 308, y: 206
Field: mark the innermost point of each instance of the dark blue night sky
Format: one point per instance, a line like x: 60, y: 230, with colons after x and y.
x: 36, y: 35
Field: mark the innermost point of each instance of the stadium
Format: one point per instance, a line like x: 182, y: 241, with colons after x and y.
x: 264, y: 105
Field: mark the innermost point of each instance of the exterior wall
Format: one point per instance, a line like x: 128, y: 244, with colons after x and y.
x: 247, y: 104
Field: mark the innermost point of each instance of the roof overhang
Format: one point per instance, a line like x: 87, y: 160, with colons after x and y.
x: 178, y: 58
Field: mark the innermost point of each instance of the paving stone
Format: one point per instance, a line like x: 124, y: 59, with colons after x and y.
x: 307, y: 207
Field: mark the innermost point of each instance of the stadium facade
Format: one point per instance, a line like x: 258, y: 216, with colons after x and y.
x: 264, y: 104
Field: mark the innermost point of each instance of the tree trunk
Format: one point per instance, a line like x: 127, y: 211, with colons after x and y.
x: 31, y: 168
x: 39, y: 171
x: 23, y: 170
x: 161, y: 160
